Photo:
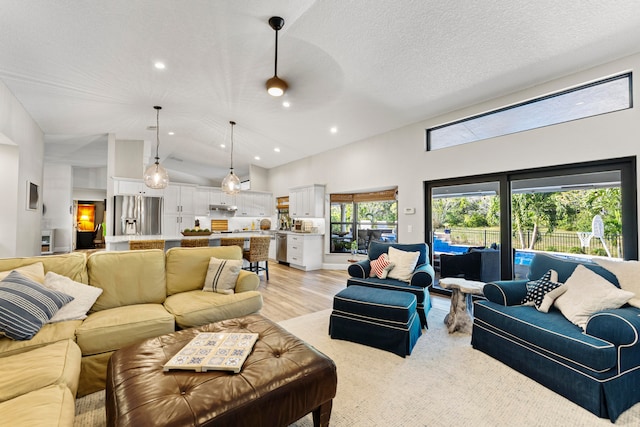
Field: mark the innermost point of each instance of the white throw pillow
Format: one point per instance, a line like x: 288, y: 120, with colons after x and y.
x: 33, y: 271
x: 84, y: 296
x: 222, y: 275
x: 550, y: 298
x: 588, y: 293
x: 405, y: 262
x: 628, y: 275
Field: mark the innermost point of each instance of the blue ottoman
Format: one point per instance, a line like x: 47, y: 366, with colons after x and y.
x: 378, y: 318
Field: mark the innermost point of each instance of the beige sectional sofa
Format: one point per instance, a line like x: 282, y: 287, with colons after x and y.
x: 146, y: 293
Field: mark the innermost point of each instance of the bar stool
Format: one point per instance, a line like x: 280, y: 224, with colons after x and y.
x: 258, y: 251
x: 146, y: 244
x: 232, y: 241
x: 194, y: 243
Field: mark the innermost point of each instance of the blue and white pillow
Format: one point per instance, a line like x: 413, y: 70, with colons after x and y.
x: 25, y: 306
x: 536, y: 290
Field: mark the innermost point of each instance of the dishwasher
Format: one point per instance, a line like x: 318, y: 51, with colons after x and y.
x: 281, y: 247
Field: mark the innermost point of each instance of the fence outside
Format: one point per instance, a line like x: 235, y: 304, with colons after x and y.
x: 550, y: 242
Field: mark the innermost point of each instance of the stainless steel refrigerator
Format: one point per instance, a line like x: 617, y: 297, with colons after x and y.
x: 138, y: 215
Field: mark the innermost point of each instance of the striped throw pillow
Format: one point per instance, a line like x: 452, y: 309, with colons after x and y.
x: 381, y: 267
x: 222, y: 275
x: 25, y: 306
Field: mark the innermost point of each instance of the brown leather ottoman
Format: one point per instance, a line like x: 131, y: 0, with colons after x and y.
x: 282, y: 380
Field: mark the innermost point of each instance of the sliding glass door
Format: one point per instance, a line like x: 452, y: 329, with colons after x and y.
x: 582, y: 211
x: 465, y: 217
x: 574, y: 215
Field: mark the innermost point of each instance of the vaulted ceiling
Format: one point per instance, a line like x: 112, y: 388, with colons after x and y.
x: 83, y: 69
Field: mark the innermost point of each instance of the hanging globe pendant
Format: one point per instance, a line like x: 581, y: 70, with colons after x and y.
x: 155, y: 176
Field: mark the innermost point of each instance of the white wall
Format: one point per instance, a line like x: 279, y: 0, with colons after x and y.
x: 90, y: 178
x: 57, y: 197
x: 258, y: 178
x: 17, y: 126
x: 400, y: 157
x: 9, y: 195
x: 129, y: 162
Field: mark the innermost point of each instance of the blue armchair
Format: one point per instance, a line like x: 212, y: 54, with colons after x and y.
x: 421, y: 278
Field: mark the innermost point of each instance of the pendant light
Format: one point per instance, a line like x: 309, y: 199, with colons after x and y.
x: 231, y: 182
x: 156, y: 176
x: 275, y: 85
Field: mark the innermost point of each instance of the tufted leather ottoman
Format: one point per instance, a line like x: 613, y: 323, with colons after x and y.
x: 282, y: 380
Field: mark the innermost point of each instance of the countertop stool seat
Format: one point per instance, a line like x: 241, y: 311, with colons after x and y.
x: 282, y: 380
x: 194, y: 243
x: 258, y: 252
x: 232, y: 241
x: 379, y: 318
x: 146, y: 244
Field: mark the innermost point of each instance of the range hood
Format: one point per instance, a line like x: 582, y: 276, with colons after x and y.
x: 223, y: 208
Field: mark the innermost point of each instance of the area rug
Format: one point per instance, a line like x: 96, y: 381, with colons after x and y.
x: 445, y: 382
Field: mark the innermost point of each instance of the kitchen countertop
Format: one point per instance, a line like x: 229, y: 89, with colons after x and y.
x: 170, y: 238
x: 298, y: 232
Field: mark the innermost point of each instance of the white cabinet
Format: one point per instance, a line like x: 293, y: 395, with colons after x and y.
x: 179, y: 209
x: 202, y: 201
x: 244, y: 201
x: 304, y: 251
x: 306, y: 202
x: 254, y: 204
x: 47, y: 242
x: 219, y: 197
x: 264, y: 204
x: 126, y: 187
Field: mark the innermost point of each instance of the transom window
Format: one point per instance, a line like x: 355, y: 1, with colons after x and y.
x: 604, y: 96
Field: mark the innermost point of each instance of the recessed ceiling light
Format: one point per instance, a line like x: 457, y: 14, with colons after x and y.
x: 257, y: 157
x: 159, y: 65
x: 286, y: 104
x: 334, y: 130
x: 171, y: 133
x: 277, y: 150
x: 222, y: 146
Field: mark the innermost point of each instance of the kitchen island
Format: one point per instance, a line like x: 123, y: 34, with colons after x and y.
x: 121, y: 243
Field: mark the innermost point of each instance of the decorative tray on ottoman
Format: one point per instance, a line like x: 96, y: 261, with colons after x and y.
x: 214, y: 351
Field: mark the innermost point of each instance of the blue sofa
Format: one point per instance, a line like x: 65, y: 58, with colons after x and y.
x: 599, y: 369
x: 421, y: 278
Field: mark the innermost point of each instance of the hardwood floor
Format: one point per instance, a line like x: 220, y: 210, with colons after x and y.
x: 291, y: 292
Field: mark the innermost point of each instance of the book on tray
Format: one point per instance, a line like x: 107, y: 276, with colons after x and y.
x: 214, y: 351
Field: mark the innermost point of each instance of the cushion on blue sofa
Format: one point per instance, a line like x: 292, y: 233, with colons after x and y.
x: 541, y: 263
x: 549, y: 332
x: 378, y: 248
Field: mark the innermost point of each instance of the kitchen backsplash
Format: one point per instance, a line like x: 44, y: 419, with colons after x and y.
x: 245, y: 223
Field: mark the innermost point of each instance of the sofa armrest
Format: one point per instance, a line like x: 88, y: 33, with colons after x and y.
x: 247, y: 281
x: 506, y: 292
x: 620, y: 327
x: 422, y: 276
x: 360, y: 269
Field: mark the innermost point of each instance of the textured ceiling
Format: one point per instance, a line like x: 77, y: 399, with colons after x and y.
x: 85, y: 69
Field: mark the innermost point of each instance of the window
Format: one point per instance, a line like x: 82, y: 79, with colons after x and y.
x: 359, y: 218
x: 604, y: 96
x: 581, y: 210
